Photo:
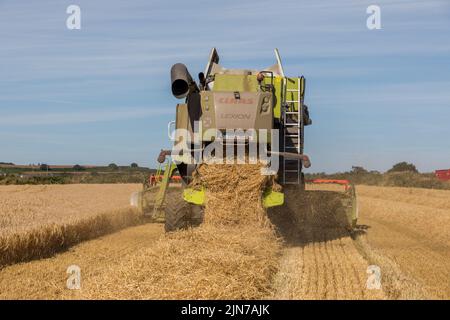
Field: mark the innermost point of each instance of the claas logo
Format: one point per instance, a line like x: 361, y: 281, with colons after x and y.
x: 236, y: 101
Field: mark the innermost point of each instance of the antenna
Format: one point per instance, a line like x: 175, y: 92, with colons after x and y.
x: 277, y: 55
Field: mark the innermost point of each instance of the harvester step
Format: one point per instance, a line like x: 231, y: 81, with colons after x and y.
x: 292, y: 90
x: 294, y: 136
x: 291, y: 166
x: 292, y: 101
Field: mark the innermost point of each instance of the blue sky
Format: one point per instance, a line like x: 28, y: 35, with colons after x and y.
x: 102, y: 94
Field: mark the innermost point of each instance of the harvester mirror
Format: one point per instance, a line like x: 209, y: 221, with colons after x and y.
x: 181, y: 80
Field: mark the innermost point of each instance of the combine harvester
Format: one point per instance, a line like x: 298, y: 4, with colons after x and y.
x: 225, y: 99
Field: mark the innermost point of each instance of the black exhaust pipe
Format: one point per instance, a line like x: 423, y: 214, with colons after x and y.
x: 181, y: 80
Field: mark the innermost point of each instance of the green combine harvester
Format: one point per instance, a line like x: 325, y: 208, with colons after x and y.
x: 235, y: 99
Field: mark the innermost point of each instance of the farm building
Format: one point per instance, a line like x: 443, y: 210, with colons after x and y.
x: 443, y: 174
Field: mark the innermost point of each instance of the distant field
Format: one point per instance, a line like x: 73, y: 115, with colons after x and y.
x: 27, y: 207
x: 36, y: 167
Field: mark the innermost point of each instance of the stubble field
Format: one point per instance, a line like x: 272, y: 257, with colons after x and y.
x: 406, y: 232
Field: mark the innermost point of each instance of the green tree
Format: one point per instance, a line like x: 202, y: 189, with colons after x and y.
x: 134, y: 165
x: 403, y: 167
x: 77, y: 167
x: 358, y: 170
x: 44, y: 167
x: 113, y: 166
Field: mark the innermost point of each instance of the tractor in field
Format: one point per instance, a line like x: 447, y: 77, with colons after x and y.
x: 233, y: 102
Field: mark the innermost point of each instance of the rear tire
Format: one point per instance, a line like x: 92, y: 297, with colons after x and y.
x: 180, y: 214
x: 197, y: 215
x: 177, y: 212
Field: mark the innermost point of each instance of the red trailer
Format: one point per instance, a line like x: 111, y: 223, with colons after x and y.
x: 443, y: 174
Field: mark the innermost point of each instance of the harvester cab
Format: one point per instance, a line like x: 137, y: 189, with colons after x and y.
x: 239, y: 107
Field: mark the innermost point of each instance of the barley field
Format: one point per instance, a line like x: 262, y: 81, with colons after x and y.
x: 404, y: 231
x: 27, y: 207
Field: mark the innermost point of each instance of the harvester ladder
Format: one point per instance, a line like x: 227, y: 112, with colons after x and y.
x: 292, y: 113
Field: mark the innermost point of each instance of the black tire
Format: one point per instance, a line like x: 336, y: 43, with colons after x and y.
x: 177, y: 213
x: 180, y: 214
x: 197, y: 214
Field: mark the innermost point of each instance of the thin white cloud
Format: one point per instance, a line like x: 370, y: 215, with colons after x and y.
x: 427, y: 95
